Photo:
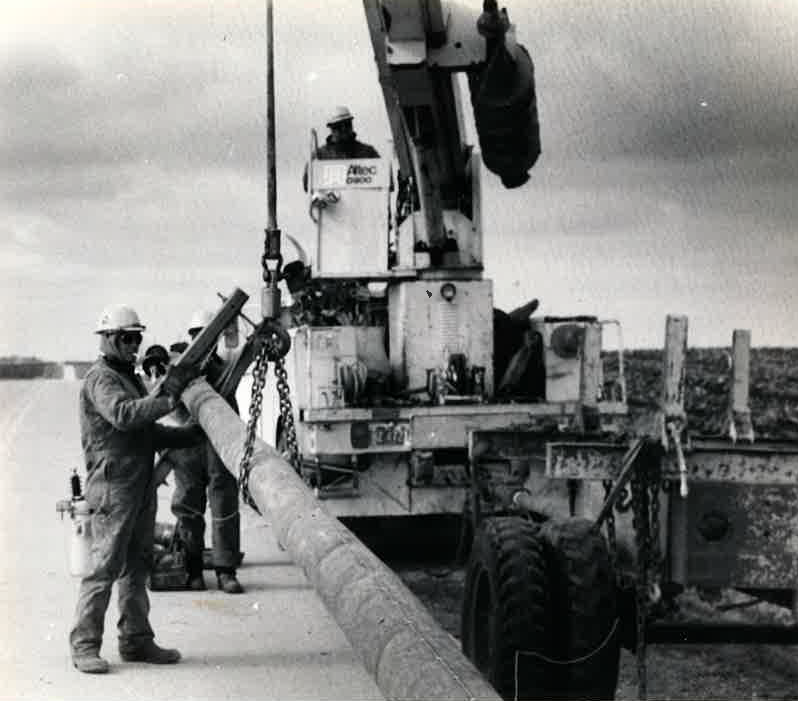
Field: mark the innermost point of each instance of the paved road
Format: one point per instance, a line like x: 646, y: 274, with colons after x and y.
x: 274, y: 642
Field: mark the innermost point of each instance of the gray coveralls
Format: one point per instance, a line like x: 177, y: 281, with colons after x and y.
x: 120, y: 435
x: 201, y: 478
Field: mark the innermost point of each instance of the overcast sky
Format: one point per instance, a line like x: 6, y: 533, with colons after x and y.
x: 133, y: 160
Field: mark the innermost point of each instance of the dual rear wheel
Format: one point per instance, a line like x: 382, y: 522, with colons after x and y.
x: 540, y: 617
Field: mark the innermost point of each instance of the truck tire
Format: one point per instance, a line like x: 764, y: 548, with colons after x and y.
x: 585, y: 601
x: 507, y: 608
x: 466, y: 539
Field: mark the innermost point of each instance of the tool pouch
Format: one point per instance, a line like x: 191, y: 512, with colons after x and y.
x: 169, y: 569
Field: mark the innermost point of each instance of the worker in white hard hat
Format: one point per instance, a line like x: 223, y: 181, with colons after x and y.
x: 342, y: 141
x: 201, y: 479
x: 199, y: 321
x: 120, y: 435
x: 156, y: 360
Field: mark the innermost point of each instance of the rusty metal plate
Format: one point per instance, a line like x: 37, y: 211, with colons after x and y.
x: 740, y: 535
x: 707, y: 461
x: 584, y: 461
x: 716, y: 461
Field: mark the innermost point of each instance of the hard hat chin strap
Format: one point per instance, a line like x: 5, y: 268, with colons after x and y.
x: 109, y: 347
x: 106, y: 345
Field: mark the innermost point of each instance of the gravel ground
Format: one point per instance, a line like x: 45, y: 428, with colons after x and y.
x: 674, y: 671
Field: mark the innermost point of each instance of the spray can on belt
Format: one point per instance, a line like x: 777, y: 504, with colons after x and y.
x: 80, y: 536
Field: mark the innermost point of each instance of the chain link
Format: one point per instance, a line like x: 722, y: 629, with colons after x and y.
x: 654, y: 483
x: 255, y: 405
x: 286, y: 413
x: 624, y: 501
x: 610, y: 524
x: 640, y: 522
x: 270, y: 349
x: 645, y: 487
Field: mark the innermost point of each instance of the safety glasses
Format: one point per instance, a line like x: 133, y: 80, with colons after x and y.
x: 130, y: 338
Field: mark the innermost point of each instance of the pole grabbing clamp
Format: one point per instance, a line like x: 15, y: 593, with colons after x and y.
x: 675, y: 435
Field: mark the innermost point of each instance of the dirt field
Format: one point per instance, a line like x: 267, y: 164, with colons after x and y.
x: 773, y: 388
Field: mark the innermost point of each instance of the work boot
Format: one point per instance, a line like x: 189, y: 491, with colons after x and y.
x: 228, y: 583
x: 90, y: 663
x: 151, y: 653
x: 196, y: 582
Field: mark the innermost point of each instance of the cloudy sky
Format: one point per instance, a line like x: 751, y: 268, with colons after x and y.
x: 132, y: 152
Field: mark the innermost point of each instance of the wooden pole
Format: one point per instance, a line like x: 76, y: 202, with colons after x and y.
x: 398, y: 641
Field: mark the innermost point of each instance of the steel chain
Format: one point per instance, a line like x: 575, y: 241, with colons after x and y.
x: 654, y: 483
x: 255, y: 405
x: 624, y: 501
x: 640, y: 522
x: 269, y: 349
x: 610, y: 523
x: 286, y: 413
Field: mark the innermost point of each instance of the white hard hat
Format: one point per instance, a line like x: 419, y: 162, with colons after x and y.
x: 119, y: 317
x: 340, y: 114
x: 200, y: 319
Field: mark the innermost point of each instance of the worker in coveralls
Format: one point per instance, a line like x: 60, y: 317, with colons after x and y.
x: 120, y: 435
x: 201, y: 477
x: 341, y: 141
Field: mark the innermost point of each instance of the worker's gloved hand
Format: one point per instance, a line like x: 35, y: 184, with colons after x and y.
x: 188, y: 436
x: 177, y: 379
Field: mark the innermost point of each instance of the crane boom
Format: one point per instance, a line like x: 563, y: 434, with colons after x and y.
x: 420, y: 46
